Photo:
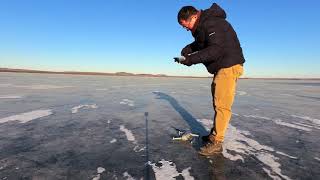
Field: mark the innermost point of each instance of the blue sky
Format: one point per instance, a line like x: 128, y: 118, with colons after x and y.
x: 279, y: 38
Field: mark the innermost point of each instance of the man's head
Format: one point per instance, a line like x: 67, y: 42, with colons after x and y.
x: 187, y: 17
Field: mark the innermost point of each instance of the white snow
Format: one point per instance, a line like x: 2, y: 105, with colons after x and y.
x: 113, y: 141
x: 280, y: 122
x: 313, y: 120
x: 316, y: 158
x: 257, y: 117
x: 207, y: 123
x: 127, y: 102
x: 238, y: 142
x: 97, y: 177
x: 284, y: 154
x: 10, y: 97
x: 241, y: 93
x: 100, y: 170
x: 128, y: 176
x: 128, y: 133
x: 168, y: 171
x: 83, y: 106
x: 28, y: 116
x: 138, y: 149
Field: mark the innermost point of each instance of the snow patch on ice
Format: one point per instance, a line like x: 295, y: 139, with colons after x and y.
x: 313, y: 120
x: 83, y: 106
x: 113, y: 141
x: 238, y: 142
x: 241, y: 93
x: 284, y: 154
x: 280, y: 122
x: 28, y: 116
x: 168, y: 170
x: 128, y: 176
x: 207, y: 123
x: 100, y: 170
x: 257, y: 117
x: 138, y: 148
x: 127, y: 102
x: 128, y: 134
x: 316, y: 158
x: 10, y: 97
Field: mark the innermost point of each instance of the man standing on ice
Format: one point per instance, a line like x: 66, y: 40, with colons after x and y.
x: 216, y: 45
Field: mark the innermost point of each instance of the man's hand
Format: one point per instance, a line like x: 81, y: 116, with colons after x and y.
x: 187, y: 61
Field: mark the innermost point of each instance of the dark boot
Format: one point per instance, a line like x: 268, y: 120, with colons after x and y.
x: 208, y: 138
x: 211, y: 148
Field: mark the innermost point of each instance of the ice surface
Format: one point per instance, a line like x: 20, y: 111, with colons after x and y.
x: 273, y: 134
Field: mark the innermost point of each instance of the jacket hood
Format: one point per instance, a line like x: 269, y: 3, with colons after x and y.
x: 216, y: 11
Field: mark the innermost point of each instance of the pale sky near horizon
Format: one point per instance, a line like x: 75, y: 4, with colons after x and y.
x: 279, y: 38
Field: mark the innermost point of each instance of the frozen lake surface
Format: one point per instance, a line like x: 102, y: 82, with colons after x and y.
x: 103, y: 127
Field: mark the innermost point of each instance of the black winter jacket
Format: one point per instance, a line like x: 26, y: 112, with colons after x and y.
x: 216, y: 43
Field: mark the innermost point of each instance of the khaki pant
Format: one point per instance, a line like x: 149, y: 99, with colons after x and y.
x: 223, y: 90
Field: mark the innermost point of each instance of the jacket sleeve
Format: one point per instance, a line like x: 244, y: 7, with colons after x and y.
x: 213, y: 50
x: 188, y: 49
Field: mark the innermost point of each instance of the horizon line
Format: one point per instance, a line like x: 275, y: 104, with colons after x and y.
x: 123, y: 73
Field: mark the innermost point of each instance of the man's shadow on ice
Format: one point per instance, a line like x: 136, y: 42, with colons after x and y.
x: 195, y: 126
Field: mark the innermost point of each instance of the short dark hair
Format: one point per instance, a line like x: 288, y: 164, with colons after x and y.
x: 186, y: 12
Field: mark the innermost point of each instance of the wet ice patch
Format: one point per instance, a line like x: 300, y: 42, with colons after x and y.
x: 128, y: 133
x: 10, y: 97
x: 84, y: 106
x: 166, y: 170
x: 127, y: 102
x: 28, y: 116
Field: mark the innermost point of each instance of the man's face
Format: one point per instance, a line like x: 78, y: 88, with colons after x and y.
x: 189, y: 23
